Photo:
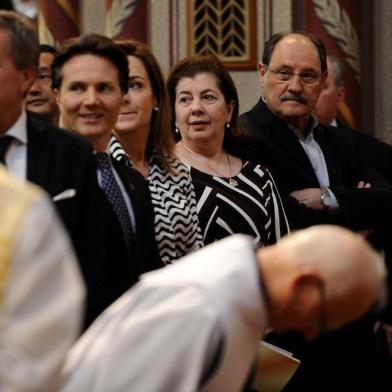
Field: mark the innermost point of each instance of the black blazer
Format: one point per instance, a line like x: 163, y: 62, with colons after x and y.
x: 276, y: 146
x: 344, y: 360
x: 57, y: 161
x: 122, y: 270
x: 377, y: 153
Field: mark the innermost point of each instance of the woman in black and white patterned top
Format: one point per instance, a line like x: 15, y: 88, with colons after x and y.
x: 142, y: 139
x: 232, y: 196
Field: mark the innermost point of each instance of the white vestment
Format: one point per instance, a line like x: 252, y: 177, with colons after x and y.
x: 41, y: 302
x: 165, y: 334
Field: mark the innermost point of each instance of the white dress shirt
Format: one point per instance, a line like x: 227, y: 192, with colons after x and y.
x: 317, y: 160
x: 163, y: 334
x: 16, y: 156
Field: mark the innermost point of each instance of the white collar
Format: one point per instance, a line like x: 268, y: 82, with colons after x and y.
x: 19, y: 129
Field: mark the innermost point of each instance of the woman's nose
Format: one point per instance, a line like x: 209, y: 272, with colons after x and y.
x: 197, y: 105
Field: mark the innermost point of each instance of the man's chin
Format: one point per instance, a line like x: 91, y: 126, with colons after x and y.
x: 294, y: 113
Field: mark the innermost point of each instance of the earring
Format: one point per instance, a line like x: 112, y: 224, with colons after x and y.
x: 227, y: 125
x: 156, y: 108
x: 176, y: 131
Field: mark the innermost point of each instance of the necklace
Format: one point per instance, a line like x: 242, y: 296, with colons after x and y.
x: 232, y: 181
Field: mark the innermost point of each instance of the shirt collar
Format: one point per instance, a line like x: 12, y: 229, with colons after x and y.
x: 312, y: 124
x: 19, y: 129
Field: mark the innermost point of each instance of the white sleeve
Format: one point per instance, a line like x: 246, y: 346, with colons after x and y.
x: 41, y: 309
x: 164, y: 334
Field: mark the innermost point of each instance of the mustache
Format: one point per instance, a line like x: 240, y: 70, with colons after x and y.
x: 294, y: 97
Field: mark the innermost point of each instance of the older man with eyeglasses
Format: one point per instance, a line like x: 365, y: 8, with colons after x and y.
x: 322, y: 179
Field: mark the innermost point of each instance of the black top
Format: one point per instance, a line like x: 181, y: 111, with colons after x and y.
x: 251, y: 206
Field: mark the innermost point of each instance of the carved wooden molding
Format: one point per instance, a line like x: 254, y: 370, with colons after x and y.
x: 226, y: 28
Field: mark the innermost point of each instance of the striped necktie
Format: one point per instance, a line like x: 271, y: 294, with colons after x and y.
x: 114, y: 196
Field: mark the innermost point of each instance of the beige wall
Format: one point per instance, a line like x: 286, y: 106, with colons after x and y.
x: 246, y: 81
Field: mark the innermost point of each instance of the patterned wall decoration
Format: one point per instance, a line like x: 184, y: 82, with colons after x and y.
x: 126, y: 19
x: 58, y: 20
x: 225, y: 28
x: 338, y: 23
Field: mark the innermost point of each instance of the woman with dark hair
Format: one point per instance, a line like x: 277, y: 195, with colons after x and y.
x: 232, y: 196
x: 142, y: 139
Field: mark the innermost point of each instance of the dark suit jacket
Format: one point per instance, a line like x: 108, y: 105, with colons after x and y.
x: 377, y: 153
x: 58, y: 160
x: 344, y: 360
x: 276, y: 146
x: 123, y: 270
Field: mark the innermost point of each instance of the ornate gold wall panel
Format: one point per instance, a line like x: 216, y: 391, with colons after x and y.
x: 226, y: 28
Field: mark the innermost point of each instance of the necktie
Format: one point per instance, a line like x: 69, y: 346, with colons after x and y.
x: 115, y: 197
x: 4, y: 144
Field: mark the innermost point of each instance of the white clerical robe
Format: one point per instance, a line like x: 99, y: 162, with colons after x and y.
x: 192, y: 326
x: 42, y: 296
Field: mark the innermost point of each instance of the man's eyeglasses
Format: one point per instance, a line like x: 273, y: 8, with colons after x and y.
x: 285, y: 75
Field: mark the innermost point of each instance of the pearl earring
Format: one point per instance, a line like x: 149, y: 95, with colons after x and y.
x: 156, y: 108
x: 227, y: 125
x: 176, y: 131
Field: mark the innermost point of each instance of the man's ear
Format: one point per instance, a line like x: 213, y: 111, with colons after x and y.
x: 306, y: 289
x: 57, y: 96
x: 341, y: 93
x: 262, y: 70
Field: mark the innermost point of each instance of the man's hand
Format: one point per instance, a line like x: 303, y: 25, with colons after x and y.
x: 362, y: 184
x: 310, y: 197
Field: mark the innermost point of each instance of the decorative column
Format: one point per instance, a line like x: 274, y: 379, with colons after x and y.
x: 126, y: 19
x: 58, y: 20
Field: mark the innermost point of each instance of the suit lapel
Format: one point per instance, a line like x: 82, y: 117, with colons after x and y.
x: 284, y: 138
x: 38, y: 152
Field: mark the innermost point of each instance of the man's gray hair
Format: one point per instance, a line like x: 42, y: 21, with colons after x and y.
x: 24, y: 45
x: 337, y: 70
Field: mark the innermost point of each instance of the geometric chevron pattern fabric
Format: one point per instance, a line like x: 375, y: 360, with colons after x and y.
x: 177, y: 230
x: 251, y: 206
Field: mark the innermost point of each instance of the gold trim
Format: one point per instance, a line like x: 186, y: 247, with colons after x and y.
x: 70, y: 11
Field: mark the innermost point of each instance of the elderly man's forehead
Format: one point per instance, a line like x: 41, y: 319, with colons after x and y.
x: 296, y: 45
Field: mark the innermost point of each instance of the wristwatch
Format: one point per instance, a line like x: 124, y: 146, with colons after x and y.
x: 325, y: 197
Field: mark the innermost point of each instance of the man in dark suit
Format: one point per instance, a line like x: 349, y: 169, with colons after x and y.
x: 58, y: 161
x: 90, y: 76
x: 377, y: 153
x: 322, y: 178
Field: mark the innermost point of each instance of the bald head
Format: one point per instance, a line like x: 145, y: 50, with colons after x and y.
x: 350, y: 274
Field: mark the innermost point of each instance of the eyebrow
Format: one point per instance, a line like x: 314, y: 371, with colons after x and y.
x: 207, y: 90
x: 307, y: 69
x: 135, y: 77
